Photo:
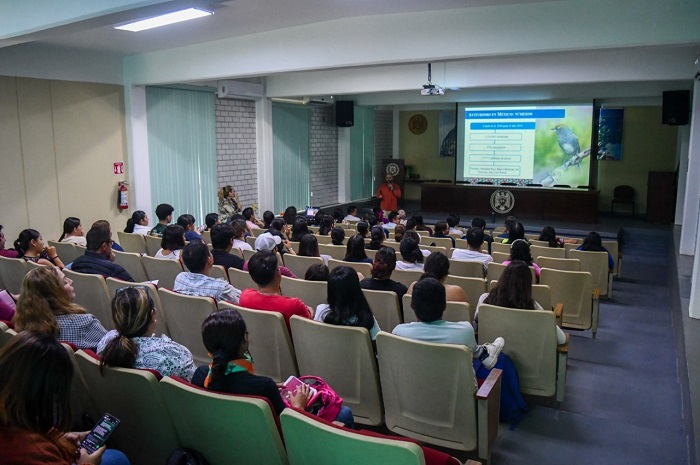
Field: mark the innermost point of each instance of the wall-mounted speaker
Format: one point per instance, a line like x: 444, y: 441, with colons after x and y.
x: 676, y: 107
x: 345, y: 113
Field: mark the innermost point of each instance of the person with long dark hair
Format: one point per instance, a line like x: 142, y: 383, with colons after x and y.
x: 514, y: 290
x: 412, y: 257
x: 520, y: 250
x: 36, y: 374
x: 299, y: 228
x: 308, y: 247
x: 356, y: 250
x: 30, y: 246
x: 346, y: 304
x: 377, y: 237
x: 593, y: 243
x: 516, y: 231
x: 384, y: 264
x: 231, y: 370
x: 73, y: 232
x: 326, y: 225
x: 138, y: 223
x: 133, y: 344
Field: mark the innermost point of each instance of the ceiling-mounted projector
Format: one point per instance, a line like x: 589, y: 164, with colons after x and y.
x: 430, y: 89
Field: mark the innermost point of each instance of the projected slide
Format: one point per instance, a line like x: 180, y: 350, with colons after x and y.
x: 535, y: 144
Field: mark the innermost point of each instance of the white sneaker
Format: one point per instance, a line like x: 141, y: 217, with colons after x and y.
x: 493, y: 348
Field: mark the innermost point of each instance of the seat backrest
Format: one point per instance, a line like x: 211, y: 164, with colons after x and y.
x: 444, y: 242
x: 224, y: 426
x: 80, y: 398
x: 500, y: 257
x: 573, y: 289
x: 461, y: 243
x: 257, y: 232
x: 596, y: 263
x: 67, y: 251
x: 241, y: 279
x: 132, y: 263
x: 298, y: 264
x: 542, y: 294
x: 133, y: 243
x: 442, y: 413
x: 569, y: 247
x: 269, y: 344
x: 337, y: 252
x: 385, y: 308
x: 466, y: 268
x: 248, y: 254
x: 532, y: 344
x: 12, y: 271
x: 364, y: 268
x: 152, y: 244
x: 185, y: 315
x: 357, y: 382
x: 113, y: 284
x: 323, y: 239
x: 538, y: 251
x: 218, y: 272
x: 91, y: 293
x: 624, y: 193
x: 147, y: 434
x: 499, y: 247
x: 206, y: 235
x: 312, y: 293
x: 539, y: 243
x: 454, y: 311
x: 433, y: 248
x: 496, y: 270
x: 163, y: 270
x: 566, y: 264
x: 312, y: 442
x: 473, y: 287
x: 614, y: 249
x: 406, y: 277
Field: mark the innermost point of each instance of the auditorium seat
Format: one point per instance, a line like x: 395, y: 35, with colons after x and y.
x: 364, y: 268
x: 623, y: 195
x: 473, y: 287
x: 219, y: 272
x: 337, y: 252
x: 12, y: 271
x: 596, y: 263
x: 241, y: 279
x: 574, y: 289
x: 385, y: 308
x: 346, y: 362
x: 538, y: 251
x: 132, y: 243
x: 312, y: 293
x: 163, y: 270
x: 454, y: 311
x: 406, y: 277
x: 224, y: 428
x: 566, y: 264
x: 67, y: 251
x: 152, y: 244
x: 132, y: 263
x: 450, y: 413
x: 298, y: 264
x: 91, y: 293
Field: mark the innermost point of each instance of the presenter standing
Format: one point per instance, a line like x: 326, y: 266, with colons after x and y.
x: 229, y: 204
x: 389, y: 195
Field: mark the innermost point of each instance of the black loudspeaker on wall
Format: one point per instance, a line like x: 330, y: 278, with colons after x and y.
x: 345, y: 113
x: 676, y: 107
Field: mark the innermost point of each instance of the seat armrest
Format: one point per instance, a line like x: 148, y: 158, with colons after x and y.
x: 488, y: 410
x: 564, y: 348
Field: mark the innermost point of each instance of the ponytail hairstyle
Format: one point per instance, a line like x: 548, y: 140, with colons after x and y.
x: 223, y: 334
x: 384, y: 263
x: 69, y: 225
x: 135, y: 219
x: 410, y: 252
x: 132, y: 312
x: 376, y: 237
x: 549, y: 235
x: 224, y: 192
x: 23, y: 242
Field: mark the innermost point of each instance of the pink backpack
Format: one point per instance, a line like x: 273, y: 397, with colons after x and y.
x: 325, y: 403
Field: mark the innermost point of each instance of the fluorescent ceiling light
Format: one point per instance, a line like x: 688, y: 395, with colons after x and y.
x: 164, y: 20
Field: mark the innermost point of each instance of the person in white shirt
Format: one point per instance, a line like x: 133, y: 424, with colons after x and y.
x: 73, y: 232
x: 138, y: 223
x: 239, y: 230
x: 393, y: 220
x: 412, y: 258
x: 172, y: 243
x: 352, y: 214
x: 453, y: 223
x: 473, y: 253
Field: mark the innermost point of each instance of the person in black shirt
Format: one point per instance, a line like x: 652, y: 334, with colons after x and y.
x: 222, y: 242
x: 384, y: 264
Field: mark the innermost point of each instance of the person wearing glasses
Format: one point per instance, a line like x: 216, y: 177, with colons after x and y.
x: 98, y: 258
x: 46, y: 305
x: 134, y: 344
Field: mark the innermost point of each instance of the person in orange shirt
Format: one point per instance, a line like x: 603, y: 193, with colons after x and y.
x: 389, y: 195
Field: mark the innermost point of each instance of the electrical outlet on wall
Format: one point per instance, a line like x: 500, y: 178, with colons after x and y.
x: 312, y: 194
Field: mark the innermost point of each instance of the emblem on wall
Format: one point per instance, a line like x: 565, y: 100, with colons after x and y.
x: 392, y: 169
x: 502, y: 201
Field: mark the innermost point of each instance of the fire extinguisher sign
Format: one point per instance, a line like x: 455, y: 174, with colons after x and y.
x: 118, y: 167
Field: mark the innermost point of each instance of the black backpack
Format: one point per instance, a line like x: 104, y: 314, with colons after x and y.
x: 186, y: 457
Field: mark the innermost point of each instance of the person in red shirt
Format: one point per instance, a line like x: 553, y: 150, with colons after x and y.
x: 389, y: 195
x: 264, y: 270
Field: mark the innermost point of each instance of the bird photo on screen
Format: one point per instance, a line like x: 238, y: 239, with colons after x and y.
x: 567, y: 141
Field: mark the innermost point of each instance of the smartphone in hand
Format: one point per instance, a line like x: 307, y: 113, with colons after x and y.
x: 291, y: 385
x: 99, y: 434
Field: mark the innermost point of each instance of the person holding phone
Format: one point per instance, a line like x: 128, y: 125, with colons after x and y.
x: 35, y: 406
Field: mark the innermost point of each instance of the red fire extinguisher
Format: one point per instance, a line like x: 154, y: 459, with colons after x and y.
x: 122, y: 197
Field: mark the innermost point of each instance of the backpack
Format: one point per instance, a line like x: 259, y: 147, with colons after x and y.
x: 325, y: 403
x: 513, y: 406
x: 186, y: 457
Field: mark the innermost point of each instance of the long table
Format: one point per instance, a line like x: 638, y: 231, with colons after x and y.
x: 576, y: 205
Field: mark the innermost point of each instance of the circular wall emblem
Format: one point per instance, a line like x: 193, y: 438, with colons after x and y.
x: 502, y: 201
x: 392, y: 169
x: 418, y: 124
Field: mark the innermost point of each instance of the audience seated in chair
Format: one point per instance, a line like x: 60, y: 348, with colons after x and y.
x: 382, y: 267
x: 225, y: 336
x: 133, y: 344
x: 475, y: 241
x: 73, y: 232
x: 273, y: 243
x: 308, y: 247
x: 480, y: 223
x: 98, y: 258
x: 30, y: 246
x: 37, y: 374
x: 222, y: 240
x: 514, y: 290
x: 411, y: 255
x: 593, y: 243
x: 437, y: 266
x: 549, y: 235
x: 356, y: 250
x: 441, y: 231
x: 172, y: 242
x: 520, y: 250
x: 429, y: 302
x: 138, y: 223
x: 265, y: 271
x: 198, y: 260
x: 508, y: 225
x: 8, y: 253
x: 46, y: 305
x: 164, y: 212
x: 187, y: 222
